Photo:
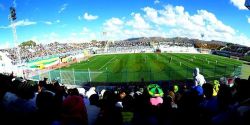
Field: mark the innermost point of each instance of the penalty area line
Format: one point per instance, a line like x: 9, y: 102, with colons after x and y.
x: 107, y: 63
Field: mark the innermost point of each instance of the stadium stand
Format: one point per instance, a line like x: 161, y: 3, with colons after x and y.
x: 234, y: 51
x: 218, y: 102
x: 29, y: 53
x: 134, y: 45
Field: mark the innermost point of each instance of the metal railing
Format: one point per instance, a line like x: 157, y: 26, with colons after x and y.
x: 77, y: 77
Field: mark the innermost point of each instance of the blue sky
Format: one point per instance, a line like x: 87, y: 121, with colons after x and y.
x: 83, y: 20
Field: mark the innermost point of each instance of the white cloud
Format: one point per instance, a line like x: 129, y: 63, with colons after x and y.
x: 117, y: 28
x: 240, y: 4
x: 25, y: 22
x: 48, y: 22
x: 89, y: 17
x: 248, y: 19
x: 156, y: 1
x: 138, y: 22
x: 181, y: 23
x: 173, y: 21
x: 113, y: 25
x: 152, y: 14
x: 62, y: 8
x: 4, y: 27
x: 242, y: 39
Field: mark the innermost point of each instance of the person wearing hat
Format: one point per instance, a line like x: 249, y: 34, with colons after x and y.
x: 156, y: 94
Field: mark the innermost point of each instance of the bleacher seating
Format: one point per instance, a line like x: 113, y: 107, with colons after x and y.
x: 218, y: 102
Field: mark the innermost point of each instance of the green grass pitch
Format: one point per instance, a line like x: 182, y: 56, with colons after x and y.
x: 146, y: 66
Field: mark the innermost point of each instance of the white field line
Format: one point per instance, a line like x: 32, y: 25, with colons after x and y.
x: 107, y: 63
x: 191, y: 67
x: 93, y: 60
x: 89, y: 61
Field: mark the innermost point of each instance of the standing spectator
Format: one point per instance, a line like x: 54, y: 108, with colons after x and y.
x: 93, y: 110
x: 90, y: 92
x: 198, y: 78
x: 74, y: 110
x: 19, y: 104
x: 46, y: 113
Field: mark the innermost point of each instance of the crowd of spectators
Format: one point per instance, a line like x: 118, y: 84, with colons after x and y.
x: 43, y: 50
x: 183, y: 44
x: 28, y: 53
x: 129, y: 44
x: 219, y: 102
x: 208, y: 45
x: 236, y: 50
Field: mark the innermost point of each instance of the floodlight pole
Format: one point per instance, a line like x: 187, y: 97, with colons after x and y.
x: 15, y: 40
x: 104, y: 34
x: 13, y: 25
x: 202, y: 36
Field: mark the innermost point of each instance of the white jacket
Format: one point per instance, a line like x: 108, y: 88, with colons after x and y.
x: 198, y: 78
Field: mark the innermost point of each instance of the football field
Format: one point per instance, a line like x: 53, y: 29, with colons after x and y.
x: 147, y: 67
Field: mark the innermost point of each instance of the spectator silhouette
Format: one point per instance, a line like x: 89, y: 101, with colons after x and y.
x: 110, y: 114
x: 46, y: 113
x: 93, y: 110
x: 74, y: 110
x: 19, y: 102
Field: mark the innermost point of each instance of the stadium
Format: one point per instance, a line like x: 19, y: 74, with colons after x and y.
x: 129, y: 61
x: 125, y: 67
x: 152, y: 69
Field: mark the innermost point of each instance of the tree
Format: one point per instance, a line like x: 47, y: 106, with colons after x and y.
x: 29, y: 43
x: 93, y: 41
